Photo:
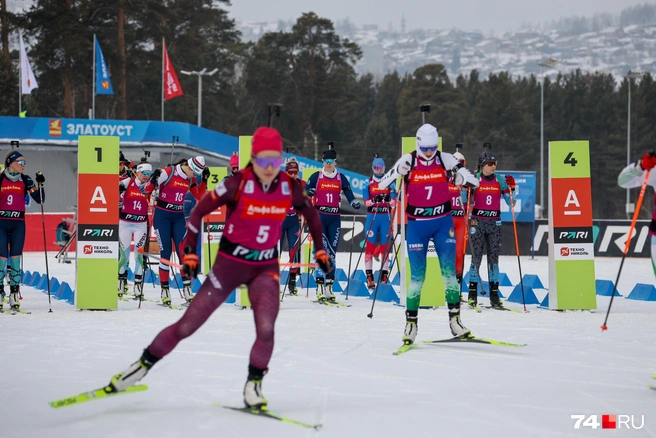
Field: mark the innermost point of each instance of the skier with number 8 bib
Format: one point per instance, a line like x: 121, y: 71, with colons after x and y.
x: 429, y: 217
x: 485, y: 225
x: 257, y: 199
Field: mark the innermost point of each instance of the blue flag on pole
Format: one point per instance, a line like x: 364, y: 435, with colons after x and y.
x: 103, y: 83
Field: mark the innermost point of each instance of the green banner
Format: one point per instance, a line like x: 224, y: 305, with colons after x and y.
x: 213, y: 223
x: 571, y: 236
x: 245, y: 148
x: 433, y: 294
x: 97, y: 227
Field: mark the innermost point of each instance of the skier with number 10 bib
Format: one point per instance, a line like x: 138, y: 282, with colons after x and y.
x: 429, y: 217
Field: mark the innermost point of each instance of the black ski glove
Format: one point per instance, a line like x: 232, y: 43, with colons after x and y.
x: 40, y: 179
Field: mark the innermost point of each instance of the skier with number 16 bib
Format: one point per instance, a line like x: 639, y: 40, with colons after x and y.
x: 429, y: 217
x: 257, y: 198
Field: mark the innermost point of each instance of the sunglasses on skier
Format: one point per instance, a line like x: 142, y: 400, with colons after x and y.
x: 147, y: 172
x: 428, y: 148
x: 330, y: 161
x: 234, y: 168
x: 21, y: 162
x: 292, y: 172
x: 379, y: 169
x: 269, y: 161
x: 491, y: 163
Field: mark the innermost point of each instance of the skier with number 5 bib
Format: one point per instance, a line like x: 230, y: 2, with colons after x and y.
x: 429, y: 217
x: 257, y: 199
x: 632, y: 176
x: 485, y: 225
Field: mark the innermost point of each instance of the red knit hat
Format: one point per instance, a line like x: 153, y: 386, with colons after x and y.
x: 234, y: 160
x: 291, y: 165
x: 266, y: 139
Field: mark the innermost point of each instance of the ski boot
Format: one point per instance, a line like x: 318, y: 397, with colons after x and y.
x: 122, y: 284
x: 320, y: 289
x: 494, y: 295
x: 253, y: 397
x: 410, y: 332
x: 328, y: 291
x: 370, y: 279
x: 186, y: 291
x: 457, y: 329
x: 133, y: 374
x: 472, y: 299
x: 2, y: 293
x: 14, y: 296
x: 138, y: 287
x: 384, y: 277
x: 166, y: 296
x: 291, y: 285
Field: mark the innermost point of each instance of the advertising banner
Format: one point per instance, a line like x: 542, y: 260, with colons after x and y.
x: 571, y: 237
x: 97, y: 224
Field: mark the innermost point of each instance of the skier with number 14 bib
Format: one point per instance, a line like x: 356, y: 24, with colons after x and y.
x: 429, y: 217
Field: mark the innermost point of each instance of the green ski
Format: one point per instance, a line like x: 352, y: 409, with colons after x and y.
x: 94, y: 395
x: 474, y: 339
x: 404, y: 348
x: 264, y: 412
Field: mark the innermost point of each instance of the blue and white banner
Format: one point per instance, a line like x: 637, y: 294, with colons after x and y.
x: 103, y: 83
x: 524, y: 197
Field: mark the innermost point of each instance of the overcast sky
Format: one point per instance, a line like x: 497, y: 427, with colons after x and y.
x: 485, y: 15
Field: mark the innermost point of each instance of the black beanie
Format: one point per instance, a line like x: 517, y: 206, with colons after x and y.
x: 330, y: 154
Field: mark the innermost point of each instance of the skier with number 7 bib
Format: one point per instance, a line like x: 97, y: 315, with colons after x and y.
x: 257, y: 200
x: 429, y: 217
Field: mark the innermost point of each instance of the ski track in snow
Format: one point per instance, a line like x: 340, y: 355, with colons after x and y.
x: 335, y: 366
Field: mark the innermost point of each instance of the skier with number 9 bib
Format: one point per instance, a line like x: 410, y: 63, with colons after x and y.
x: 257, y: 199
x: 169, y: 221
x: 133, y: 223
x: 485, y: 225
x: 429, y: 217
x: 326, y: 186
x: 15, y: 187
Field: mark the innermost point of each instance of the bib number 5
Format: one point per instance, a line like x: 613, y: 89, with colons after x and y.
x: 263, y: 234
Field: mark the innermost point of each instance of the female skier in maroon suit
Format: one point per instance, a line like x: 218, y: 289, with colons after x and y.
x: 258, y: 198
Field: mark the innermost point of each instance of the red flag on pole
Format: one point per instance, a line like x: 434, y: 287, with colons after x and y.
x: 172, y: 87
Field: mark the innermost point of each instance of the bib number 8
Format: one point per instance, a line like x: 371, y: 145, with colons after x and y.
x: 488, y: 199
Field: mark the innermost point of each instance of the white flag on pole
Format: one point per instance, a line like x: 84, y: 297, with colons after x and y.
x: 28, y: 81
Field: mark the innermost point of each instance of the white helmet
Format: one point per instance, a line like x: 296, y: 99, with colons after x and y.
x: 426, y: 136
x: 145, y: 167
x: 197, y: 164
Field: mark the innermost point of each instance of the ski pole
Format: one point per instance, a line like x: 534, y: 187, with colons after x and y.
x: 387, y: 250
x: 45, y: 244
x: 292, y: 255
x: 360, y: 256
x: 519, y: 263
x: 351, y: 251
x: 636, y: 213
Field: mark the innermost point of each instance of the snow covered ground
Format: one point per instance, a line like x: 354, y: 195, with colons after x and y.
x: 335, y: 366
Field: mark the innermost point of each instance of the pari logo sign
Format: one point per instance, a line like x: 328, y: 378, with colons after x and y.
x: 608, y: 421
